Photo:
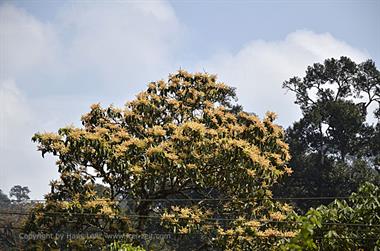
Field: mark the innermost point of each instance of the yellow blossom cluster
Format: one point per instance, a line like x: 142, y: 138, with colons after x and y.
x: 157, y: 131
x: 277, y: 216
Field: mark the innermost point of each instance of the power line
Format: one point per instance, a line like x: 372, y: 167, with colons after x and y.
x: 204, y: 199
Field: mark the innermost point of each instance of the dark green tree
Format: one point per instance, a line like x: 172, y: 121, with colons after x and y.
x: 20, y: 193
x: 3, y: 197
x: 334, y: 149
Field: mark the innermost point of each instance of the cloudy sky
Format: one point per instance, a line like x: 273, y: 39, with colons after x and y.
x: 56, y: 59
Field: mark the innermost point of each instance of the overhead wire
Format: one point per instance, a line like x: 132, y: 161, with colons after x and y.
x: 200, y: 199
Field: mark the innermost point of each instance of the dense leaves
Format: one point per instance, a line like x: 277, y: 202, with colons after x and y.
x: 352, y: 224
x: 180, y: 139
x: 335, y: 145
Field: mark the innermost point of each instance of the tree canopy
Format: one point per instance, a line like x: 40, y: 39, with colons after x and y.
x: 20, y: 193
x: 181, y: 151
x: 335, y: 144
x: 334, y: 98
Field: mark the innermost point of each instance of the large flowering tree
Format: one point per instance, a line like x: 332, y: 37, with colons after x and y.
x: 181, y: 157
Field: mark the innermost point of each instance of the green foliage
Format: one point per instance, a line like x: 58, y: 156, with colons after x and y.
x: 334, y: 149
x: 304, y: 239
x: 352, y: 224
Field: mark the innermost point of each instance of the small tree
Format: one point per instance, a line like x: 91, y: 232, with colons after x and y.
x: 180, y: 152
x: 20, y: 193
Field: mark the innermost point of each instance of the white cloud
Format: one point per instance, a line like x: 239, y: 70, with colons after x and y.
x: 14, y: 114
x: 26, y: 43
x: 119, y: 41
x: 325, y: 45
x: 259, y: 69
x: 110, y: 42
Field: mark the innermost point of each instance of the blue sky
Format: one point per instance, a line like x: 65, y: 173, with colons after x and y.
x: 231, y: 24
x: 58, y: 58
